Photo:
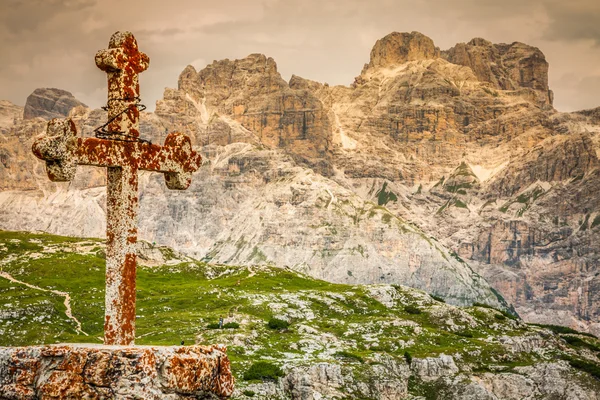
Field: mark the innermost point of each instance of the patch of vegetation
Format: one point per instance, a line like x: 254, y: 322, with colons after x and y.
x: 578, y: 342
x: 248, y: 393
x: 458, y: 203
x: 421, y: 389
x: 437, y: 298
x: 278, y: 324
x: 412, y: 310
x: 263, y: 370
x: 527, y: 199
x: 177, y: 301
x: 584, y: 225
x: 595, y: 222
x: 384, y: 197
x: 506, y: 314
x: 585, y: 366
x: 458, y: 187
x: 456, y: 257
x: 349, y: 356
x: 558, y: 329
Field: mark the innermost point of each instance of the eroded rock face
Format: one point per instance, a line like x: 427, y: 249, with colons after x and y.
x: 398, y: 48
x: 505, y: 66
x: 111, y: 372
x: 10, y: 114
x: 252, y: 93
x: 49, y: 103
x: 546, y: 380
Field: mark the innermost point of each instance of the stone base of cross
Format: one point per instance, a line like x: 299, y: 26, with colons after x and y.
x: 123, y: 155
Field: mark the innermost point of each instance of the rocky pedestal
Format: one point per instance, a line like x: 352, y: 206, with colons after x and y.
x: 108, y: 372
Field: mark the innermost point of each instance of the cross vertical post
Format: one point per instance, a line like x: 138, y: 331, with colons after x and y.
x: 122, y: 62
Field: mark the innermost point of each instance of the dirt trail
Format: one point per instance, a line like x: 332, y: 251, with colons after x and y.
x: 66, y: 295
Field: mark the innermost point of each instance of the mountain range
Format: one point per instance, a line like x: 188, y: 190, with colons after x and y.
x: 445, y: 170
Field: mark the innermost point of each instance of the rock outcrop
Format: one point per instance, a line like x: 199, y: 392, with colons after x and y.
x: 397, y: 48
x: 505, y: 66
x: 113, y: 372
x: 50, y: 103
x: 252, y: 93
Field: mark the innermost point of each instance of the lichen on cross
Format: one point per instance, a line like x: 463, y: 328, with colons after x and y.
x: 123, y: 154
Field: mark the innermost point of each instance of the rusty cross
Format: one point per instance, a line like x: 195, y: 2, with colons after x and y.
x: 123, y: 154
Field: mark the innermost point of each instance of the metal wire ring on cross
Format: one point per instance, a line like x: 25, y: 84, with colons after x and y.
x: 101, y: 133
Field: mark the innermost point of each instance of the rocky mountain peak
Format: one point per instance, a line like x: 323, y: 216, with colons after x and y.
x: 512, y: 66
x: 398, y: 48
x: 49, y: 103
x: 187, y: 78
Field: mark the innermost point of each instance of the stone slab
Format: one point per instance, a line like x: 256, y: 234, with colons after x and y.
x: 77, y: 371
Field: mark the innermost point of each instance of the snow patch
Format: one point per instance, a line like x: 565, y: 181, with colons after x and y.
x: 483, y: 173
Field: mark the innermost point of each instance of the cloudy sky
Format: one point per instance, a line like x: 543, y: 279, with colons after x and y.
x: 52, y: 43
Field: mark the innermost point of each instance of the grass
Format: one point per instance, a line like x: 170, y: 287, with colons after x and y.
x: 505, y: 314
x: 349, y: 356
x: 578, y: 342
x: 412, y: 310
x: 437, y: 298
x: 563, y: 329
x: 278, y: 324
x: 384, y: 196
x: 331, y: 322
x: 263, y: 370
x: 585, y: 366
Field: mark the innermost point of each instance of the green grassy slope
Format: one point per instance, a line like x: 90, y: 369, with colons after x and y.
x: 329, y: 322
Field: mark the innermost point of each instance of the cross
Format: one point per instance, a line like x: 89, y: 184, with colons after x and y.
x: 123, y: 154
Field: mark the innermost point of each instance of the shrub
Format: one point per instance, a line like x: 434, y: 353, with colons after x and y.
x: 563, y: 329
x: 499, y: 317
x: 229, y: 325
x: 505, y: 313
x: 248, y: 393
x: 466, y: 334
x: 412, y: 310
x: 349, y: 356
x: 437, y: 298
x: 585, y: 366
x: 407, y: 357
x: 263, y: 370
x: 278, y: 324
x: 577, y: 342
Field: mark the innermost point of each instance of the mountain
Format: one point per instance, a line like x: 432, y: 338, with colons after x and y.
x: 448, y: 171
x: 287, y: 335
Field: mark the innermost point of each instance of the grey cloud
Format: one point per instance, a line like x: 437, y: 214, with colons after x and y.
x: 573, y: 20
x: 322, y: 40
x: 20, y: 16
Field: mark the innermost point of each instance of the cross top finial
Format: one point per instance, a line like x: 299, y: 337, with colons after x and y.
x: 123, y: 62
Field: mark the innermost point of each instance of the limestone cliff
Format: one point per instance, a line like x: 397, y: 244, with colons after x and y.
x: 49, y: 103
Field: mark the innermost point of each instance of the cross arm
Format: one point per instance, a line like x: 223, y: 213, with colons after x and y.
x: 63, y: 151
x: 176, y: 158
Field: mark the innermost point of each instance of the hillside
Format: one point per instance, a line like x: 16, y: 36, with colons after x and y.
x: 444, y: 170
x: 343, y: 341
